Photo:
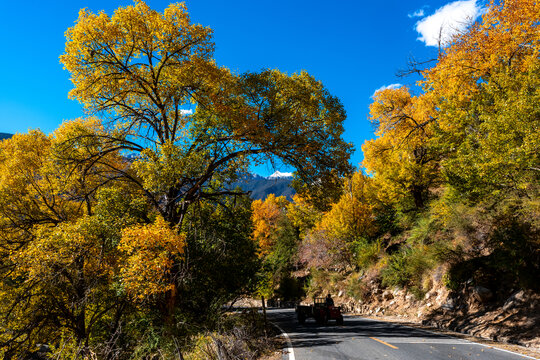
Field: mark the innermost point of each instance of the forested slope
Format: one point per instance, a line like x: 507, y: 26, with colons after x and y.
x: 445, y: 211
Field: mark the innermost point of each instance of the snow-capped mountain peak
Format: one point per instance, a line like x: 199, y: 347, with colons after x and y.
x: 279, y: 174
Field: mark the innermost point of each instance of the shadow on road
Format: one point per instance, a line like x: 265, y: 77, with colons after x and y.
x: 311, y: 334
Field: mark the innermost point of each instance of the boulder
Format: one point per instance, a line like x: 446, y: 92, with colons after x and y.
x: 514, y: 300
x: 387, y: 295
x: 482, y: 294
x: 450, y: 304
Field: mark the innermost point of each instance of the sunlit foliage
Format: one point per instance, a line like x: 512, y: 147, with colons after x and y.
x: 150, y: 252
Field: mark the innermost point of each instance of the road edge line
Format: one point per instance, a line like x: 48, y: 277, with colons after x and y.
x: 289, y: 343
x: 455, y: 337
x: 494, y: 347
x: 504, y: 350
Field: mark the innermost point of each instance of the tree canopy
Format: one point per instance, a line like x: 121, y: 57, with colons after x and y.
x: 196, y: 125
x: 108, y: 224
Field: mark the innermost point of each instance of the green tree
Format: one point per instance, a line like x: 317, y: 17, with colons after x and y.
x: 221, y: 257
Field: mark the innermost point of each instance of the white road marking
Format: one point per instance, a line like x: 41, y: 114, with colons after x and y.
x: 289, y: 343
x: 507, y: 351
x: 468, y: 341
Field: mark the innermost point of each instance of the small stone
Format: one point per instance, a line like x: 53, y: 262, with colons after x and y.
x: 387, y: 295
x: 449, y: 304
x: 482, y: 294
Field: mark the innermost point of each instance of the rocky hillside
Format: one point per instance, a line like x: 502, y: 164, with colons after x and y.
x: 511, y: 317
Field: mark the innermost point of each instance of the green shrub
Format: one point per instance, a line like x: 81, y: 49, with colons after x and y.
x: 366, y: 253
x: 423, y: 231
x: 356, y: 288
x: 407, y: 267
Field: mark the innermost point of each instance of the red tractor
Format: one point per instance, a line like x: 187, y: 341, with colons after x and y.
x: 320, y: 311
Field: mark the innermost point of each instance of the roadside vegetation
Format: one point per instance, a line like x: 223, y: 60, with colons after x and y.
x: 121, y: 237
x: 448, y: 193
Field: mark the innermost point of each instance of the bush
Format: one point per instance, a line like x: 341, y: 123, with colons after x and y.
x: 242, y: 336
x: 322, y: 282
x: 366, y: 253
x: 356, y: 288
x: 407, y: 267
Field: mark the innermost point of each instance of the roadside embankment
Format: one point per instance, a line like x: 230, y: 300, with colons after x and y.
x: 472, y: 312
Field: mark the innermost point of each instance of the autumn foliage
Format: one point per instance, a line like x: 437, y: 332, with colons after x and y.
x: 150, y: 252
x: 120, y: 232
x: 123, y: 225
x: 451, y: 177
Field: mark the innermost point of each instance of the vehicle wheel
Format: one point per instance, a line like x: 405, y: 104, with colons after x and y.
x: 339, y: 320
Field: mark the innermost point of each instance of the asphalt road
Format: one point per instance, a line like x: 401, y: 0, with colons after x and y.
x: 361, y: 338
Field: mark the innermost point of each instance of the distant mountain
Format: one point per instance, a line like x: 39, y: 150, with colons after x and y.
x: 260, y: 187
x: 5, y: 136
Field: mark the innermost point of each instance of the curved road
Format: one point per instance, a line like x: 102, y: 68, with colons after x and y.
x: 361, y: 338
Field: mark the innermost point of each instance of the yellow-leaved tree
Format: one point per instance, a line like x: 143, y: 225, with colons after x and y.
x: 352, y: 221
x: 59, y: 258
x: 267, y: 216
x: 486, y: 89
x: 150, y: 252
x: 194, y: 127
x: 401, y: 159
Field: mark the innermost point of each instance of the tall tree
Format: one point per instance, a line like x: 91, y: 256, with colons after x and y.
x: 486, y: 89
x: 401, y: 158
x: 146, y: 71
x: 57, y: 248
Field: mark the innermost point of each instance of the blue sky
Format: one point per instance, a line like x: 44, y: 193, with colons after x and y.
x: 353, y: 47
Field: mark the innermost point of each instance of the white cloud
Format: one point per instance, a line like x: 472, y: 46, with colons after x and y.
x: 447, y: 21
x: 417, y: 13
x: 186, y: 111
x: 391, y: 86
